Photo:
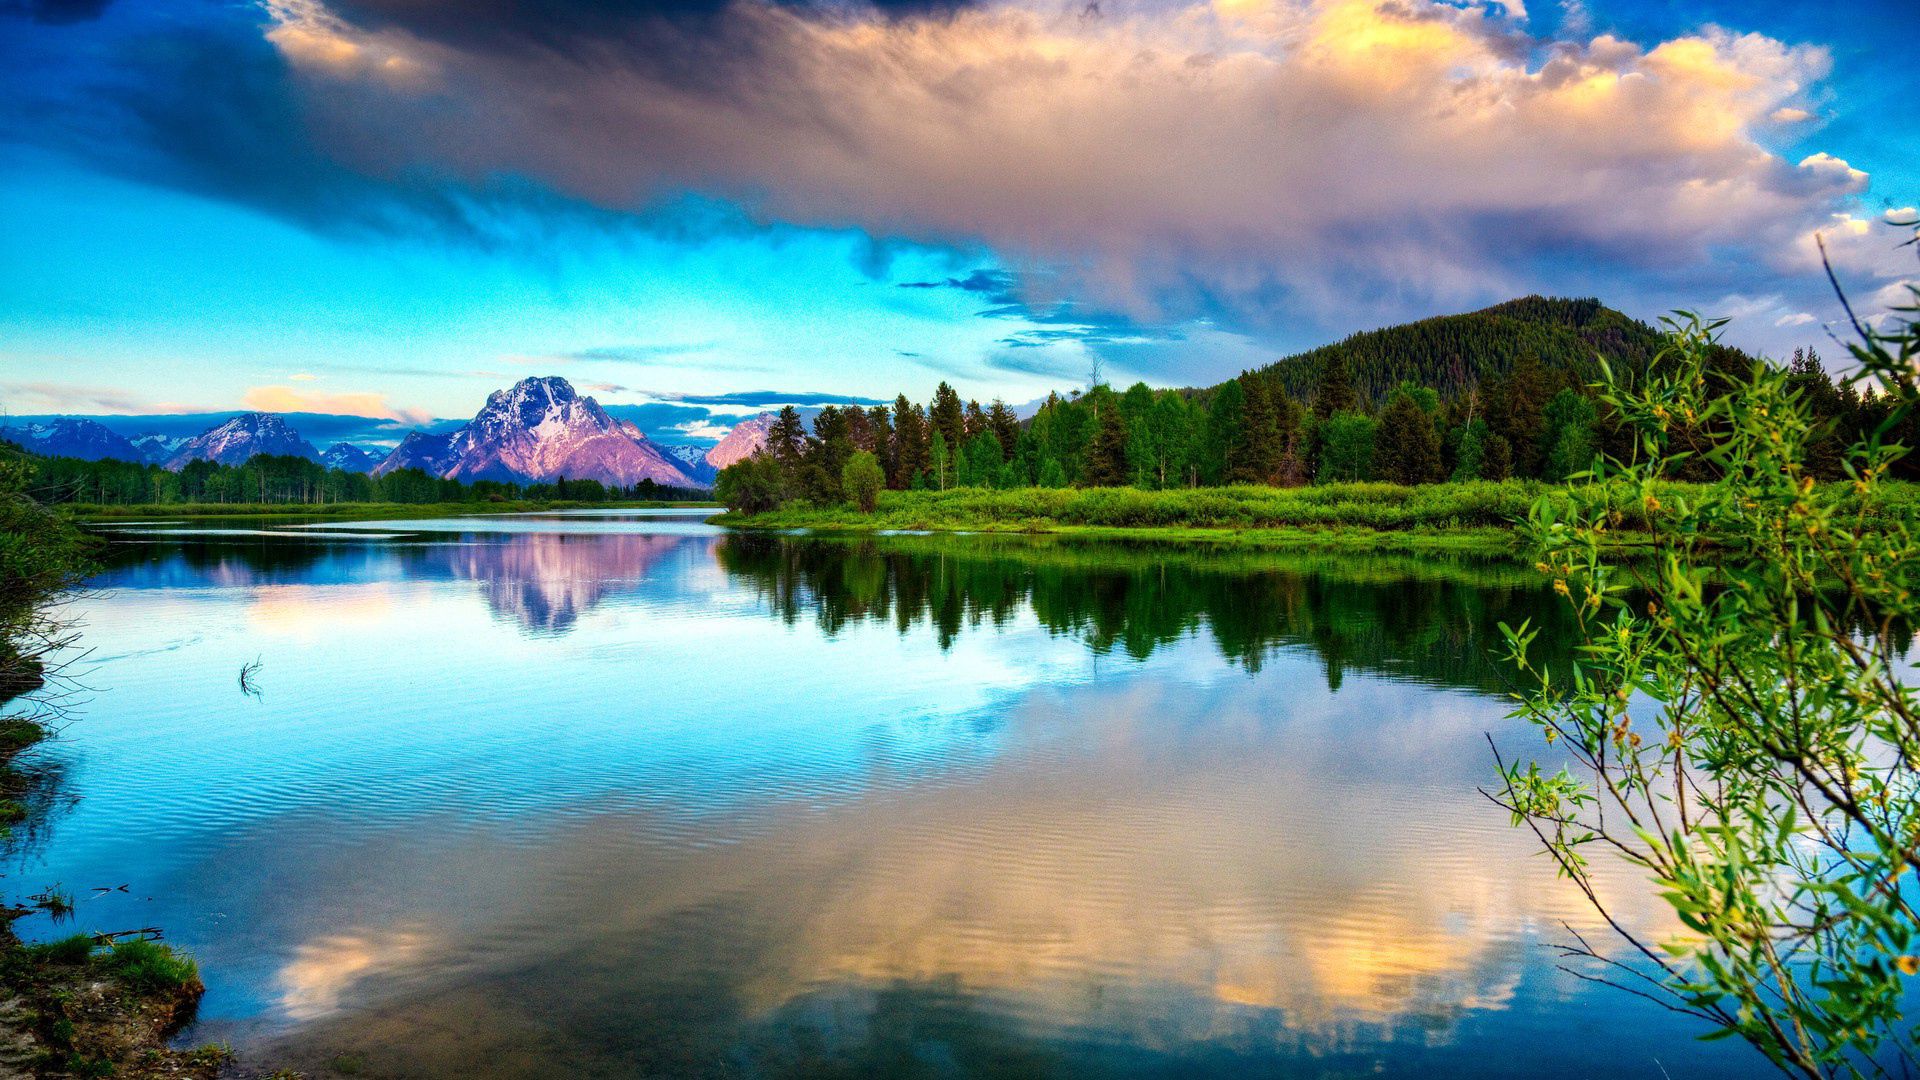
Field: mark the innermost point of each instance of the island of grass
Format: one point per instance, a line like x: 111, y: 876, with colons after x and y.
x: 1471, y: 516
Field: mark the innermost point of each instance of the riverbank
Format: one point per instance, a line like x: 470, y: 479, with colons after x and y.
x: 91, y: 1004
x: 90, y: 512
x: 1475, y: 517
x: 1468, y: 517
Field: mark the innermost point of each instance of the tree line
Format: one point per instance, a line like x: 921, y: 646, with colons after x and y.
x: 1532, y: 421
x: 279, y: 478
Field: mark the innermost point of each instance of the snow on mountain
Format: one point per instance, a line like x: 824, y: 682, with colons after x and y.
x: 240, y: 438
x: 72, y: 437
x: 540, y: 429
x: 692, y: 461
x: 155, y: 448
x: 350, y: 458
x: 430, y: 453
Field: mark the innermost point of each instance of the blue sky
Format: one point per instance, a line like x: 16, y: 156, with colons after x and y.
x: 389, y: 209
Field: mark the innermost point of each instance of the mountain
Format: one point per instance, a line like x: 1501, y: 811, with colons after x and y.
x: 692, y: 461
x: 72, y: 437
x: 747, y: 436
x: 240, y: 438
x: 1453, y: 352
x: 540, y: 429
x: 155, y: 447
x: 430, y: 453
x: 349, y: 458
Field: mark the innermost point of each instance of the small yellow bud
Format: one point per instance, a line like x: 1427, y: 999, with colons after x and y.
x: 1908, y: 965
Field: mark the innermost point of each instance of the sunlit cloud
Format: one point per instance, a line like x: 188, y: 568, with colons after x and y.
x: 1267, y: 157
x: 289, y: 399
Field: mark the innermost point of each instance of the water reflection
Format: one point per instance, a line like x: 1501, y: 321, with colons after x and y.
x: 540, y: 802
x: 1432, y: 618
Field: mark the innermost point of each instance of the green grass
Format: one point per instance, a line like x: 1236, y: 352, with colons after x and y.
x: 148, y: 966
x: 342, y: 511
x: 67, y: 950
x: 1468, y: 516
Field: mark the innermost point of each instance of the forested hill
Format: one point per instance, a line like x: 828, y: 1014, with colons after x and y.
x: 1452, y: 352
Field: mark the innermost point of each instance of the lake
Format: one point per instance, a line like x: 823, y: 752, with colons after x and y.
x: 618, y: 794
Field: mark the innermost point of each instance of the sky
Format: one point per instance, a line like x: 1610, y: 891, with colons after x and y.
x: 700, y: 208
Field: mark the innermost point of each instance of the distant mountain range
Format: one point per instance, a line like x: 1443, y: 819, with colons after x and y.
x: 539, y: 429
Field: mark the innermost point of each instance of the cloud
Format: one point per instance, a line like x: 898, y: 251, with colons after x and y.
x: 640, y: 354
x: 287, y: 399
x: 762, y: 399
x: 1288, y: 166
x: 49, y: 397
x: 1260, y: 157
x: 303, y: 376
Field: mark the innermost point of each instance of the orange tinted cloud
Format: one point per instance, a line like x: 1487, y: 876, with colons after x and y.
x: 289, y: 399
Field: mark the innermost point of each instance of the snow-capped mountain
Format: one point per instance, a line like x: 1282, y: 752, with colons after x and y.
x: 428, y: 452
x: 73, y: 437
x: 692, y: 461
x: 540, y: 429
x: 240, y: 438
x: 155, y: 448
x: 350, y: 458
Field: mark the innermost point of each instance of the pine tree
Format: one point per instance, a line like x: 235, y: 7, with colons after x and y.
x: 787, y: 438
x: 1004, y: 425
x: 1292, y: 467
x: 1225, y: 422
x: 1258, y: 461
x: 1107, y: 457
x: 1408, y: 447
x: 947, y: 415
x: 1498, y: 462
x: 910, y: 443
x: 1333, y: 388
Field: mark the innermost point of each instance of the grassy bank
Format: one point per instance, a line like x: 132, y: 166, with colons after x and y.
x: 340, y: 511
x: 1469, y: 516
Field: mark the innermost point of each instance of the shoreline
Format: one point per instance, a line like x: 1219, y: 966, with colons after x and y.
x: 1477, y: 540
x: 90, y: 513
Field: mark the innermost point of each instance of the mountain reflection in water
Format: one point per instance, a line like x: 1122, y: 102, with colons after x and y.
x: 627, y: 802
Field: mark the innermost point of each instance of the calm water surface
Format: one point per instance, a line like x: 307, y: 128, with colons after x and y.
x: 619, y: 795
